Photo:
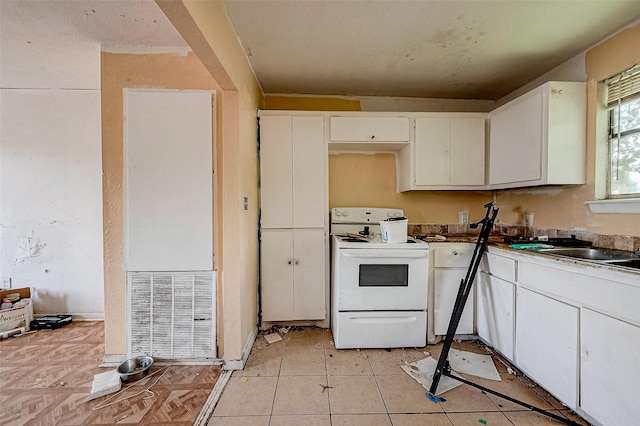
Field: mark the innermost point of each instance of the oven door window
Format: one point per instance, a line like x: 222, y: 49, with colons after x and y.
x: 380, y: 275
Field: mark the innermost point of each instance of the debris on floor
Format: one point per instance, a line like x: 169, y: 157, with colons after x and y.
x: 104, y: 384
x: 325, y: 387
x: 422, y: 371
x: 434, y: 398
x: 272, y: 338
x: 461, y: 362
x: 474, y: 364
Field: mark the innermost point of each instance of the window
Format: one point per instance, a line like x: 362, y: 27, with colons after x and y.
x: 623, y: 102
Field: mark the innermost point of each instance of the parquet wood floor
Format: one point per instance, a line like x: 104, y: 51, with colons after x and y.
x: 46, y: 376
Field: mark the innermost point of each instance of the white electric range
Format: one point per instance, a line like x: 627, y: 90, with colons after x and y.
x: 378, y: 289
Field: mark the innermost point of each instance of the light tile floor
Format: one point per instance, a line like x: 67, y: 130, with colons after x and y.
x: 304, y: 380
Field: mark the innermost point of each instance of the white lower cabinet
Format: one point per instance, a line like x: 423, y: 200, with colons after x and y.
x: 293, y: 274
x: 448, y: 267
x: 446, y: 285
x: 577, y: 328
x: 547, y: 343
x: 495, y: 311
x: 609, y: 373
x: 496, y: 299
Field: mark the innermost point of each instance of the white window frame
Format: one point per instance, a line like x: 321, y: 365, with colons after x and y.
x: 623, y: 86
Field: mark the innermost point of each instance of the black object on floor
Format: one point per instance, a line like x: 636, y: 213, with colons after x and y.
x: 50, y: 322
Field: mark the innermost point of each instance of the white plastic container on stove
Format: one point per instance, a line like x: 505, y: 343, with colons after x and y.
x: 394, y: 230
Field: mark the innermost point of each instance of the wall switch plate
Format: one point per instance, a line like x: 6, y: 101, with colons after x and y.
x: 463, y: 218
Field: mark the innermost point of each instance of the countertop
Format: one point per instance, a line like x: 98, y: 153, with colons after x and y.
x: 464, y: 238
x: 498, y: 242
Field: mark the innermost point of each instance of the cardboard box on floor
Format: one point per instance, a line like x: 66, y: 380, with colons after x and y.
x: 13, y: 318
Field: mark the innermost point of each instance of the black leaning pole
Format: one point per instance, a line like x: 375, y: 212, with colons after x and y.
x: 443, y: 367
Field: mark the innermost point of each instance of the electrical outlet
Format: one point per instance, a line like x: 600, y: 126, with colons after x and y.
x: 6, y: 282
x: 245, y: 203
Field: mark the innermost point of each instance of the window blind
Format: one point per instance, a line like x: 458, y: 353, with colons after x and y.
x: 623, y: 86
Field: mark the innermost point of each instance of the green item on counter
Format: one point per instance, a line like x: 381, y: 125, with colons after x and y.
x: 533, y: 246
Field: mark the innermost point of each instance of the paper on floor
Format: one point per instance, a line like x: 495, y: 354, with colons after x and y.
x: 104, y: 384
x: 272, y: 338
x: 474, y: 364
x: 460, y: 362
x: 423, y: 371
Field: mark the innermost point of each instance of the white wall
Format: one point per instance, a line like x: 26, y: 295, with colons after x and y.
x: 51, y: 171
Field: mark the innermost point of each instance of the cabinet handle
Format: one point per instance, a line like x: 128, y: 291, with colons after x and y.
x: 455, y: 253
x: 297, y: 261
x: 289, y: 262
x: 373, y: 137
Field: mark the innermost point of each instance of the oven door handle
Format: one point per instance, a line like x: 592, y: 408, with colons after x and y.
x: 386, y: 255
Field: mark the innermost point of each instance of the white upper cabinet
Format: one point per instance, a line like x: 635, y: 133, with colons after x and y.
x: 539, y: 138
x: 371, y: 132
x: 293, y: 172
x: 448, y: 152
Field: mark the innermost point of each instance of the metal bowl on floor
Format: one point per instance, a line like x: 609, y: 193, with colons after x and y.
x: 135, y: 368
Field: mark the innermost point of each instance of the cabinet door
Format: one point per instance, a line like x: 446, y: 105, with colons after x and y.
x: 547, y: 343
x: 609, y: 373
x: 516, y: 142
x: 432, y: 151
x: 362, y: 129
x: 309, y: 275
x: 449, y: 151
x: 309, y: 172
x: 495, y: 312
x: 467, y: 151
x: 277, y: 275
x: 276, y: 171
x: 446, y: 285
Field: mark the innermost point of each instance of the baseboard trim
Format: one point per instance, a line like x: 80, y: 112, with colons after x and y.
x: 238, y: 364
x: 212, y: 401
x: 113, y: 360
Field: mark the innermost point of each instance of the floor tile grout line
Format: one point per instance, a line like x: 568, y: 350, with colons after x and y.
x: 326, y: 371
x: 375, y: 379
x: 275, y: 392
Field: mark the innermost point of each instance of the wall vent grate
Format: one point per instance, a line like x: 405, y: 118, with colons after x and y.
x: 171, y: 315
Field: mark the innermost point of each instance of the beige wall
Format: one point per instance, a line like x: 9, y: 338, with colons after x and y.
x: 564, y: 208
x: 369, y: 180
x: 207, y: 30
x: 217, y: 62
x: 118, y: 72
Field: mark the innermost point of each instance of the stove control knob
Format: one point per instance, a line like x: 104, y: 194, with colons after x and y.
x: 345, y: 213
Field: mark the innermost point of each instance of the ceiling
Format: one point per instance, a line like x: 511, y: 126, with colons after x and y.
x: 114, y: 24
x: 475, y: 49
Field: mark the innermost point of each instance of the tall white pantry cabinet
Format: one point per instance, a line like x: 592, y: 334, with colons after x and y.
x: 293, y: 197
